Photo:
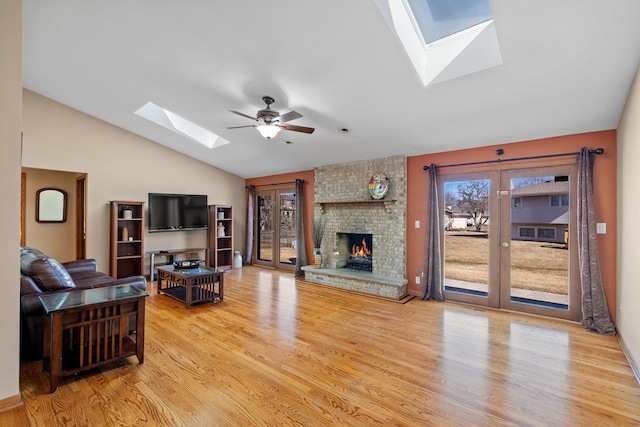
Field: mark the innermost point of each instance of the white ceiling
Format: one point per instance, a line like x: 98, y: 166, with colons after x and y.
x: 567, y: 68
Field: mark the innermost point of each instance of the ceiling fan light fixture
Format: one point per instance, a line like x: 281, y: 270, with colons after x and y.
x: 270, y: 122
x: 268, y: 131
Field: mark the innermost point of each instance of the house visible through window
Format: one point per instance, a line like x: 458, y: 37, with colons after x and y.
x: 535, y: 232
x: 529, y: 232
x: 516, y: 202
x: 560, y: 200
x: 546, y: 233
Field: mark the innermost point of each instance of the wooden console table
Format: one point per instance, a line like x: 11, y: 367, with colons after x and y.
x: 170, y: 253
x: 87, y: 328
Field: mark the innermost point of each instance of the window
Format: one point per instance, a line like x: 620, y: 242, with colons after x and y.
x: 516, y: 202
x: 528, y: 232
x: 438, y: 19
x: 434, y: 33
x: 165, y: 118
x: 546, y: 233
x: 560, y: 200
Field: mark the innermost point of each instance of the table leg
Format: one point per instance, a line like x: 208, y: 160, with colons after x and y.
x: 151, y: 267
x: 221, y: 286
x: 188, y: 292
x: 46, y: 344
x: 55, y: 361
x: 140, y: 330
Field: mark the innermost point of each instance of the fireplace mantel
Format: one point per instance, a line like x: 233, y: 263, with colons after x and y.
x: 385, y: 202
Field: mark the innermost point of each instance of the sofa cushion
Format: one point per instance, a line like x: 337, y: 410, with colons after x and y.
x: 50, y: 274
x: 27, y: 256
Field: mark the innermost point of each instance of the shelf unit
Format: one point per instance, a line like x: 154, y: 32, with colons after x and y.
x: 220, y: 247
x: 126, y: 248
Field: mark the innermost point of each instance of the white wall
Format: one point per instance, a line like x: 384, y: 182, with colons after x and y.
x: 121, y: 166
x: 10, y: 126
x: 628, y: 175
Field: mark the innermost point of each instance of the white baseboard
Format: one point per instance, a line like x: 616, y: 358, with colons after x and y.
x: 632, y: 362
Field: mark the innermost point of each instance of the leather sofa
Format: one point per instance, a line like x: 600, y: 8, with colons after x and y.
x: 41, y: 275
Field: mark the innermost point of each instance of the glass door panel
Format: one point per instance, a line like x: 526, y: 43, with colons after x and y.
x: 287, y: 231
x: 276, y: 228
x: 264, y: 225
x: 467, y: 238
x: 536, y: 252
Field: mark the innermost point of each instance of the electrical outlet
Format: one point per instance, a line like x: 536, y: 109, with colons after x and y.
x: 417, y: 280
x: 417, y: 224
x: 601, y: 228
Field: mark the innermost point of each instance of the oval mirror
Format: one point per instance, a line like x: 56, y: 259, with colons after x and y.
x: 51, y: 205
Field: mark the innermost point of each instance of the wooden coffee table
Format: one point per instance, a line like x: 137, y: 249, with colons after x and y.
x: 191, y: 285
x: 87, y: 328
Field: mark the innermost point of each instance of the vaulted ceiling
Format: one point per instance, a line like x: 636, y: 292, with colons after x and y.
x: 567, y: 67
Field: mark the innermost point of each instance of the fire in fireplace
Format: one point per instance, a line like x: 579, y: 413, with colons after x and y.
x: 359, y: 250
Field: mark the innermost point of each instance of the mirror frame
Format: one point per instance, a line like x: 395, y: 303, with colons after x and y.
x: 62, y: 209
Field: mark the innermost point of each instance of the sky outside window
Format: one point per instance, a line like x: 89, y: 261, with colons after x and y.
x: 438, y: 19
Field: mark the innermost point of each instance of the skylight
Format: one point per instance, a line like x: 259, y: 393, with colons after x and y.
x: 438, y: 19
x: 444, y: 39
x: 180, y: 125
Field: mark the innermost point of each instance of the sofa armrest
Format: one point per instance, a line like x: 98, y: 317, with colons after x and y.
x: 80, y: 265
x: 138, y: 281
x: 28, y: 286
x: 31, y: 305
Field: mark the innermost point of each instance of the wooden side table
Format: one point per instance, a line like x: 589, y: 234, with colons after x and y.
x: 87, y: 328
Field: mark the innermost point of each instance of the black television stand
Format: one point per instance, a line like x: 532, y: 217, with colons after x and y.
x: 171, y: 253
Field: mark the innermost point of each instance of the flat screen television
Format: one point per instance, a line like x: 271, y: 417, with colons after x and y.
x: 177, y: 212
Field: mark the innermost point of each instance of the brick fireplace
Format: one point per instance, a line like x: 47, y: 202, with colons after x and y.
x: 343, y: 203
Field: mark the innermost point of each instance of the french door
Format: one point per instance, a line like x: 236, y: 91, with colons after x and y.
x: 509, y: 240
x: 275, y: 231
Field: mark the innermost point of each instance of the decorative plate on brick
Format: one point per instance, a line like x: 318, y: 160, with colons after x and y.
x: 378, y: 186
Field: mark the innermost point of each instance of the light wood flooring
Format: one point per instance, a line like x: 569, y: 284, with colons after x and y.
x: 280, y: 352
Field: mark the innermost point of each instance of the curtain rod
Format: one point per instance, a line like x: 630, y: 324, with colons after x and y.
x: 277, y: 183
x: 596, y: 151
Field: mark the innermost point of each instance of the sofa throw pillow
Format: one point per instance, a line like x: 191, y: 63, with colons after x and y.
x: 27, y: 256
x: 50, y: 274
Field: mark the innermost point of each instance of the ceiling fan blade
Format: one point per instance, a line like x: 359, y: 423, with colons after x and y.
x: 238, y: 127
x: 296, y: 128
x: 291, y: 115
x: 243, y: 115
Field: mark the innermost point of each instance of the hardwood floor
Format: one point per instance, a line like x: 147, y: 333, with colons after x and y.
x: 281, y: 352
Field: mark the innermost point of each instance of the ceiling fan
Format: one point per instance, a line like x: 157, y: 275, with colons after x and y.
x: 270, y: 122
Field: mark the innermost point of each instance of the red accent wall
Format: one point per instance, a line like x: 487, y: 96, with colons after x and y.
x: 604, y: 193
x: 605, y: 188
x: 265, y: 182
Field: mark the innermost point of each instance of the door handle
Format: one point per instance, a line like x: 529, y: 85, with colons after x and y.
x: 505, y: 244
